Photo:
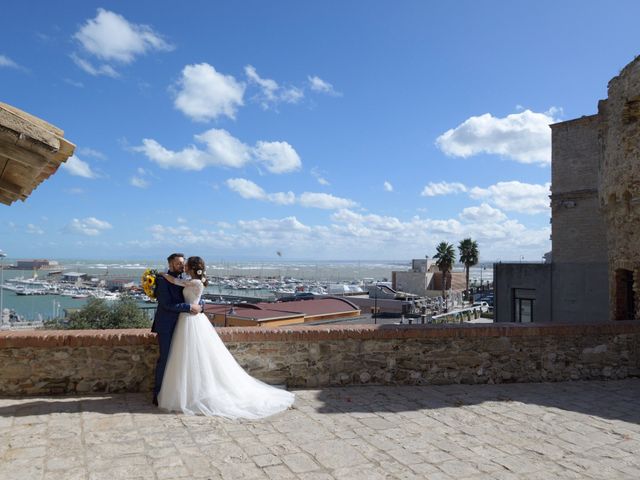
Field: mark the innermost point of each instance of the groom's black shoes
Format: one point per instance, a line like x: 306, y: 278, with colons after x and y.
x: 155, y: 400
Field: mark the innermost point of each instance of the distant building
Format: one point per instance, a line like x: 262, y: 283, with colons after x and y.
x: 593, y: 271
x: 113, y: 283
x: 35, y: 264
x: 73, y: 276
x: 425, y: 280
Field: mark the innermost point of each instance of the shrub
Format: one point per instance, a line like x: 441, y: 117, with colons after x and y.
x: 100, y: 314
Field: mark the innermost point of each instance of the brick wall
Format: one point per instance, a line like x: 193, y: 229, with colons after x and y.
x: 57, y: 362
x: 578, y: 228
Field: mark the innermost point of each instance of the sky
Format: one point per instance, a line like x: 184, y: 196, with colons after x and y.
x: 328, y: 130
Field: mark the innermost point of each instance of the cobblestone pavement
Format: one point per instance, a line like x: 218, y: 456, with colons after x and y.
x: 577, y: 430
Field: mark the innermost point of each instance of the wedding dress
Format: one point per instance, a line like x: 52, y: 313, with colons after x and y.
x: 203, y: 378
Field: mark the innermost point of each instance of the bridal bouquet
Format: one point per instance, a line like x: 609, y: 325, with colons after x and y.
x: 149, y: 282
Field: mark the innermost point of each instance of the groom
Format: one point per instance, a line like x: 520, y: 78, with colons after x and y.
x: 170, y: 304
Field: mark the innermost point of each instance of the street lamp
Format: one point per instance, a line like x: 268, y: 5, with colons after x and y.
x: 375, y: 306
x: 2, y: 257
x: 231, y: 311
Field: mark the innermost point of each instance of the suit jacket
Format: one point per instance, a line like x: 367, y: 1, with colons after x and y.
x: 170, y: 304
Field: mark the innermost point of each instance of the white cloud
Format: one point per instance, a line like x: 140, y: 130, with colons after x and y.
x: 138, y: 182
x: 319, y: 85
x: 515, y: 196
x: 324, y: 200
x: 90, y: 152
x: 73, y: 83
x: 274, y: 226
x: 181, y: 220
x: 250, y: 190
x: 482, y: 214
x: 205, y: 94
x: 292, y: 95
x: 34, y: 229
x: 278, y: 157
x: 387, y: 186
x: 111, y: 38
x: 222, y: 149
x: 79, y: 168
x: 319, y: 177
x: 349, y: 234
x: 8, y: 63
x: 88, y: 67
x: 269, y: 86
x: 442, y: 188
x: 271, y: 94
x: 89, y: 226
x: 246, y: 188
x: 524, y: 137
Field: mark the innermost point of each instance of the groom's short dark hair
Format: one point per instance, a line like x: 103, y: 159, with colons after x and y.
x: 174, y: 255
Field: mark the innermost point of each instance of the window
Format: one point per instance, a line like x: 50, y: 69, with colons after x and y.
x: 523, y: 302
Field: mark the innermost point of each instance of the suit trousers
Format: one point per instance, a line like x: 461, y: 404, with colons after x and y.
x: 164, y: 344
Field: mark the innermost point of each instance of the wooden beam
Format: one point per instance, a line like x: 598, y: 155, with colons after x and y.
x: 10, y: 187
x: 66, y: 147
x: 25, y: 142
x: 23, y: 156
x: 35, y: 120
x: 21, y: 125
x: 6, y: 199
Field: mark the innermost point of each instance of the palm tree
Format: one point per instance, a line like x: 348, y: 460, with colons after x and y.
x: 468, y: 255
x: 446, y: 257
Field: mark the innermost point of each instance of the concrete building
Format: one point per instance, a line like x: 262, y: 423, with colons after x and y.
x: 73, y: 276
x: 594, y: 271
x: 425, y: 280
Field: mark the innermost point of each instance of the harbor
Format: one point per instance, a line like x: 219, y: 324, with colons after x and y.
x: 31, y: 297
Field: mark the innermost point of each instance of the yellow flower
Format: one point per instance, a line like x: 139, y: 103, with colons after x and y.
x: 148, y: 282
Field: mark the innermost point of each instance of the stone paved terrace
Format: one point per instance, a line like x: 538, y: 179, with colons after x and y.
x: 574, y: 430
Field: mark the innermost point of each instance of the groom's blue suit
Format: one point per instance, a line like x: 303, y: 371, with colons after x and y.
x: 170, y: 304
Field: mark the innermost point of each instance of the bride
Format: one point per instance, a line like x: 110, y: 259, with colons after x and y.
x: 202, y: 377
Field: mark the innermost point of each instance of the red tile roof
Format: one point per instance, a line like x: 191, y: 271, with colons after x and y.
x: 265, y: 311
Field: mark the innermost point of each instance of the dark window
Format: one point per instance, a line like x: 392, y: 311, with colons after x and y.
x: 624, y: 295
x: 523, y: 302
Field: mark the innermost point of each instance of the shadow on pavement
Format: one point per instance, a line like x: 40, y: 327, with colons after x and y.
x: 615, y: 399
x: 107, y: 403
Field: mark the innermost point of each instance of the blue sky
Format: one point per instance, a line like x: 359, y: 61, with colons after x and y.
x: 323, y: 130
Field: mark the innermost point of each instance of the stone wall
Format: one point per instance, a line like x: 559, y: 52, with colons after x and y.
x: 620, y: 185
x: 58, y: 362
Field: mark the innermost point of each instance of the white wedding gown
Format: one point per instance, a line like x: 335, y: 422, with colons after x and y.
x: 203, y: 378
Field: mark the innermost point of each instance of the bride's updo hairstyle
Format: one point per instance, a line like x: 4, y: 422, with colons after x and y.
x: 197, y: 267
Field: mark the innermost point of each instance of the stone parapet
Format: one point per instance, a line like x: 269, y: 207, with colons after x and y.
x: 61, y: 362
